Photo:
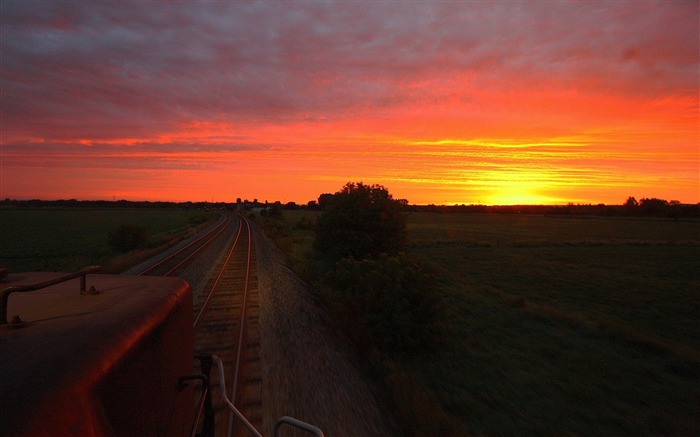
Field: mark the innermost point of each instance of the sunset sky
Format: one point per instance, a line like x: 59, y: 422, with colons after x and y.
x: 442, y: 102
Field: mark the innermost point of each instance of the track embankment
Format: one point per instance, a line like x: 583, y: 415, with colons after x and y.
x: 306, y: 373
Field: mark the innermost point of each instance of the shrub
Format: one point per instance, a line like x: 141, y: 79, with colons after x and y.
x: 390, y: 303
x: 126, y: 237
x: 303, y: 224
x: 198, y: 220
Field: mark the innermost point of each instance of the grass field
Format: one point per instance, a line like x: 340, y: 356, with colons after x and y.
x: 553, y: 325
x: 556, y: 325
x: 67, y: 239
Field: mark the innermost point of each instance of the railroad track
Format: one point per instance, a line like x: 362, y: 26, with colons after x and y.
x: 226, y: 324
x: 226, y: 321
x: 226, y: 328
x: 178, y: 259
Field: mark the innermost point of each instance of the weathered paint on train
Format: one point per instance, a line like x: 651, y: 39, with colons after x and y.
x: 103, y: 364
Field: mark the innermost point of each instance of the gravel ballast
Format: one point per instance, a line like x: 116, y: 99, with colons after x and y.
x: 306, y: 373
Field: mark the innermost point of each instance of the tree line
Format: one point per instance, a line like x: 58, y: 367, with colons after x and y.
x: 644, y: 207
x: 73, y: 203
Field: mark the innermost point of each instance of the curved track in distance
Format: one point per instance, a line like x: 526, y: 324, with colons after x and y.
x: 179, y: 258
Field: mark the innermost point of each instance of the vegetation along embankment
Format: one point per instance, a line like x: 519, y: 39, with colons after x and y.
x: 479, y: 322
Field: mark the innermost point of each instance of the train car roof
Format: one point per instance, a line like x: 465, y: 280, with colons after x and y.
x: 67, y: 341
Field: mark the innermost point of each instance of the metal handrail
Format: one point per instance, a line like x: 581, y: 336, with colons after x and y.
x: 298, y: 424
x: 282, y: 420
x: 82, y: 273
x: 234, y: 410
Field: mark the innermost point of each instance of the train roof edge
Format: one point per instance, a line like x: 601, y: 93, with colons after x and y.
x: 69, y: 356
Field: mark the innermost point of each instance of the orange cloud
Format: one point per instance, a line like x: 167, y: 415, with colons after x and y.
x: 442, y: 102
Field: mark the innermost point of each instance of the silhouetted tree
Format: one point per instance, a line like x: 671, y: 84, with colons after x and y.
x: 275, y: 209
x: 359, y: 221
x: 631, y: 202
x: 382, y: 298
x: 653, y: 206
x: 324, y: 199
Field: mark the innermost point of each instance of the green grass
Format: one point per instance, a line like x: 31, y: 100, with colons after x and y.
x: 556, y: 325
x: 66, y: 239
x: 293, y: 234
x: 561, y: 325
x: 514, y: 229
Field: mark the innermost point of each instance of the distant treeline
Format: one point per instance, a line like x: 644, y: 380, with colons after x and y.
x: 73, y: 203
x: 645, y: 207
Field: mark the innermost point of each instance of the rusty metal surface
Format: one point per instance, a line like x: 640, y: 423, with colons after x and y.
x: 26, y: 288
x: 54, y: 366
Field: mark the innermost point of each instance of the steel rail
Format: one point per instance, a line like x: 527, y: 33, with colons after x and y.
x: 200, y: 248
x: 202, y: 311
x: 211, y: 235
x: 230, y: 402
x: 239, y: 351
x: 207, y: 301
